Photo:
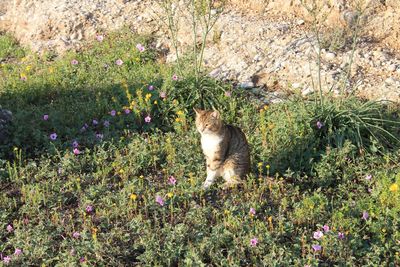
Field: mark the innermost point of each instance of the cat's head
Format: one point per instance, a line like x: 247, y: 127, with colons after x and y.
x: 208, y: 121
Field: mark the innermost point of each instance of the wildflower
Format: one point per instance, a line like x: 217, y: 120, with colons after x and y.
x: 99, y: 136
x: 106, y: 123
x: 326, y: 228
x: 252, y: 212
x: 316, y: 247
x: 172, y: 180
x: 119, y: 113
x: 228, y: 93
x: 147, y: 119
x: 23, y: 77
x: 133, y: 197
x: 365, y: 215
x: 368, y: 177
x: 74, y: 62
x: 127, y: 111
x: 159, y: 200
x: 175, y: 77
x: 119, y: 62
x: 82, y: 260
x: 76, y: 235
x: 394, y: 188
x: 75, y: 144
x: 89, y: 209
x: 163, y: 95
x: 319, y: 125
x: 148, y: 96
x: 7, y: 260
x: 9, y: 228
x: 253, y: 242
x: 340, y: 235
x: 45, y: 117
x: 179, y: 113
x: 100, y: 38
x: 155, y: 102
x: 318, y: 235
x: 95, y: 122
x: 53, y: 136
x: 151, y: 87
x: 140, y: 47
x: 113, y: 112
x: 259, y: 164
x: 169, y: 194
x: 76, y: 151
x: 17, y: 252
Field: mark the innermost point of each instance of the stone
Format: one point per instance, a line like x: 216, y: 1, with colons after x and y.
x: 391, y: 67
x: 307, y: 91
x: 246, y: 85
x: 330, y: 56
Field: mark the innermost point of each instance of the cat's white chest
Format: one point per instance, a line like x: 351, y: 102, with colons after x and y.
x: 210, y: 144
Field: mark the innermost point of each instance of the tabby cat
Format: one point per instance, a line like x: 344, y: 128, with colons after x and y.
x: 225, y: 148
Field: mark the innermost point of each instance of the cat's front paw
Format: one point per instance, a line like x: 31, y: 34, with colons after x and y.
x: 207, y: 184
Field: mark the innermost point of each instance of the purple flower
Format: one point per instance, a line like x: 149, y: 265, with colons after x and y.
x: 119, y: 62
x: 100, y: 38
x: 23, y: 78
x: 151, y: 87
x: 228, y: 93
x: 99, y: 136
x: 140, y: 47
x: 45, y: 117
x: 76, y: 235
x: 326, y: 228
x: 159, y: 200
x: 81, y: 260
x: 127, y: 111
x: 75, y: 144
x: 318, y: 235
x: 6, y: 260
x: 9, y: 228
x: 252, y: 211
x: 172, y: 180
x: 147, y: 119
x: 368, y: 177
x: 53, y: 136
x: 253, y: 242
x: 113, y: 112
x: 163, y: 95
x: 95, y: 122
x: 89, y: 209
x: 316, y: 247
x: 74, y: 62
x: 106, y: 123
x: 365, y: 215
x: 175, y: 77
x: 17, y: 252
x: 76, y: 151
x: 340, y: 235
x: 319, y: 125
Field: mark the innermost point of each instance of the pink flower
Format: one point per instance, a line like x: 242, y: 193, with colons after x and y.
x: 76, y: 235
x: 175, y: 77
x: 159, y: 200
x: 82, y: 260
x: 316, y: 247
x: 140, y: 47
x: 163, y: 94
x: 17, y: 252
x: 113, y: 113
x: 147, y: 119
x: 253, y: 242
x: 53, y: 136
x: 9, y: 228
x: 89, y: 209
x: 6, y: 260
x: 326, y: 228
x: 340, y: 235
x: 252, y: 211
x: 99, y: 136
x: 172, y: 180
x: 95, y: 122
x: 100, y: 38
x: 76, y: 151
x: 74, y: 62
x: 75, y: 144
x: 228, y: 93
x: 368, y: 177
x: 151, y: 87
x: 365, y: 215
x: 45, y: 117
x: 119, y: 62
x: 106, y: 123
x: 127, y: 111
x: 318, y: 235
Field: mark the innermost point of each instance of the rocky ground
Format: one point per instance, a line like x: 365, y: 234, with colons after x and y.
x: 268, y: 46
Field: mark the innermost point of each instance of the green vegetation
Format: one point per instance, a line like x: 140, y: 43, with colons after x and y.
x: 120, y: 184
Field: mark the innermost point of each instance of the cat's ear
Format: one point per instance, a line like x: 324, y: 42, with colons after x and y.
x: 216, y: 114
x: 198, y: 111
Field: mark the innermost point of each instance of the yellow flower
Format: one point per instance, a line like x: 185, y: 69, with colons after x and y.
x: 28, y: 68
x: 170, y: 194
x: 133, y: 197
x: 119, y: 112
x: 178, y: 119
x: 227, y: 212
x: 15, y: 148
x: 121, y: 171
x: 155, y: 102
x: 78, y: 179
x: 394, y: 188
x: 259, y: 164
x: 141, y: 176
x: 113, y: 99
x: 148, y: 96
x: 175, y: 102
x: 179, y: 113
x: 265, y: 107
x: 267, y: 166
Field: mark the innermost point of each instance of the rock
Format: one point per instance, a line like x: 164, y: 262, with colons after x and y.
x: 307, y: 91
x: 390, y: 81
x: 330, y: 56
x: 5, y: 120
x: 391, y: 67
x: 246, y: 85
x: 296, y: 85
x: 300, y: 22
x: 215, y: 73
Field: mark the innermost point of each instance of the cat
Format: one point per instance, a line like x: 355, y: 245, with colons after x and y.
x: 225, y: 148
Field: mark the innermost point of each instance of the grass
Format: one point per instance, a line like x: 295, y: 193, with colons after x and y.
x: 99, y: 207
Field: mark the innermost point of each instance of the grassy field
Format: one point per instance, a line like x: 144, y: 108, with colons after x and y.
x: 103, y: 167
